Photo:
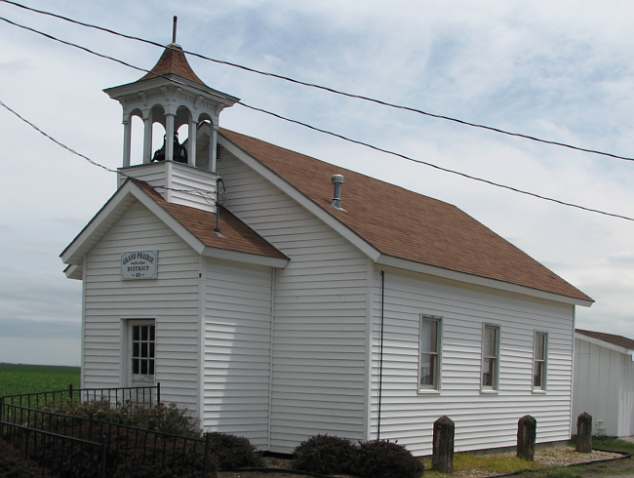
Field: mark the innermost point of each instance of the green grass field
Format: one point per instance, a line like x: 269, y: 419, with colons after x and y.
x: 15, y: 378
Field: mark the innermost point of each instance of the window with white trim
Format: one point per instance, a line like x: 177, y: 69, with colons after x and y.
x: 540, y: 352
x: 143, y: 344
x: 490, y: 357
x: 429, y: 353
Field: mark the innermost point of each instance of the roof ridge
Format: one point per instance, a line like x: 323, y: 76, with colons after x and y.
x: 341, y: 167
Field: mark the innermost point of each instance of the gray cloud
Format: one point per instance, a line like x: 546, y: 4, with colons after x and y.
x: 491, y: 61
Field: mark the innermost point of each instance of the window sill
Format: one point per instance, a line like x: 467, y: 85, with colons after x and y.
x: 428, y: 391
x: 538, y: 391
x: 488, y: 391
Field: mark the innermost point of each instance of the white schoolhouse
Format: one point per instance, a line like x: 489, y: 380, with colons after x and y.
x: 277, y: 296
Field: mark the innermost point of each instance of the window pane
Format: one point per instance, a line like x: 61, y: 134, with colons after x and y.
x: 151, y: 349
x: 151, y: 332
x: 144, y: 334
x: 135, y: 349
x: 540, y: 345
x: 151, y: 367
x: 429, y: 335
x: 488, y: 372
x: 538, y: 378
x: 427, y: 369
x: 135, y: 366
x: 135, y: 332
x: 143, y: 367
x: 143, y: 349
x: 490, y: 341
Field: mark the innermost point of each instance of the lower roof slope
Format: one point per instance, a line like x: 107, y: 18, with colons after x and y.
x: 618, y: 340
x: 407, y: 225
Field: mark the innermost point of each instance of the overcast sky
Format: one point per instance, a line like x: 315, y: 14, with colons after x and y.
x: 562, y: 70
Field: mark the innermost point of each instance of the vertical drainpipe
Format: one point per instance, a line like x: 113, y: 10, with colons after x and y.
x: 378, y: 428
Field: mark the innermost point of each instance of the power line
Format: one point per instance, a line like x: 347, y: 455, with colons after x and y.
x: 339, y: 135
x: 200, y: 192
x: 329, y: 89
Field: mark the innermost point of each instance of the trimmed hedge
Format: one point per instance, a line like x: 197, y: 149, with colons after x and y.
x: 325, y: 454
x: 231, y: 452
x: 386, y: 459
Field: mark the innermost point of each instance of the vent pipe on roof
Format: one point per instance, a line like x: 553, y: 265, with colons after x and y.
x: 337, y: 181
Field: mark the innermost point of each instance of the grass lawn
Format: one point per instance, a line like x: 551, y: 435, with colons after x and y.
x: 493, y: 464
x: 15, y: 378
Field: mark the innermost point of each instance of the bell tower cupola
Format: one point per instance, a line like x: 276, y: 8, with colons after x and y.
x: 173, y: 95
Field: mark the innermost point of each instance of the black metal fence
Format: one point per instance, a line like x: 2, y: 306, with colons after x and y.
x: 116, y: 396
x: 61, y: 455
x: 124, y: 448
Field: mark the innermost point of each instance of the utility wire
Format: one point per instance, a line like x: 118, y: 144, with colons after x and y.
x: 328, y: 89
x: 200, y: 192
x: 338, y: 135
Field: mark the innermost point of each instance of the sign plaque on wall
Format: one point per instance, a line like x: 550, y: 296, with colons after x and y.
x: 139, y: 265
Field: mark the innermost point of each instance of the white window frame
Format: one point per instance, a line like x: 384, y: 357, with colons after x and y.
x: 544, y: 360
x: 496, y: 379
x: 128, y: 352
x: 435, y: 387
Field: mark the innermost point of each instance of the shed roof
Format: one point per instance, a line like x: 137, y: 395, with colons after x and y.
x: 613, y: 339
x: 406, y: 225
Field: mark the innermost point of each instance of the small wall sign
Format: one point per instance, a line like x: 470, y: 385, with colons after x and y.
x: 139, y: 265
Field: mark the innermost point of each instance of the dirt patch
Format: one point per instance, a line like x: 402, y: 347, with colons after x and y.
x: 565, y: 455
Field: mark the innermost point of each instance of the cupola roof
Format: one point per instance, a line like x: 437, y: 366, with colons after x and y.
x: 173, y: 62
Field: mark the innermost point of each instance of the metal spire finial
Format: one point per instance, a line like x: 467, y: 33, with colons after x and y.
x: 174, y: 22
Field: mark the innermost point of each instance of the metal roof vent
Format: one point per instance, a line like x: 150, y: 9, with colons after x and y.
x: 337, y: 181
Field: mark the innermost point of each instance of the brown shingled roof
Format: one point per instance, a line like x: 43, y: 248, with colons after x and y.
x: 235, y: 235
x: 407, y: 225
x: 618, y: 340
x: 173, y: 61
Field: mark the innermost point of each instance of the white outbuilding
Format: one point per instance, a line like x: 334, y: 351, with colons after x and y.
x: 604, y: 382
x: 277, y: 296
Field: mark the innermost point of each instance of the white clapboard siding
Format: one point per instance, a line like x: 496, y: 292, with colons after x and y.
x: 319, y: 382
x: 192, y: 187
x: 172, y: 300
x: 237, y: 325
x: 155, y: 174
x: 482, y: 420
x: 604, y: 388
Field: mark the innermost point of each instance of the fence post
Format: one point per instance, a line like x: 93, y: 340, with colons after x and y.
x: 526, y: 435
x: 158, y: 393
x: 1, y: 409
x: 102, y: 465
x: 584, y: 433
x: 70, y: 391
x: 443, y: 440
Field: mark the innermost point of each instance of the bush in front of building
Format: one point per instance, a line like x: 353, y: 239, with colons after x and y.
x: 385, y: 459
x: 231, y: 452
x: 325, y: 454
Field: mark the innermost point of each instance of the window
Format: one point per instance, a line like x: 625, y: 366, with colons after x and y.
x: 143, y: 344
x: 490, y: 361
x: 429, y: 348
x: 540, y: 350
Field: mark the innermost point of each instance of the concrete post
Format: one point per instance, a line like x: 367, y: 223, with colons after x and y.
x: 442, y: 458
x: 526, y: 436
x: 584, y: 433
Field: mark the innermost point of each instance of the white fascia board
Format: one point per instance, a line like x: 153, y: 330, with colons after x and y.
x: 602, y: 343
x: 300, y: 198
x: 476, y: 280
x: 73, y: 254
x: 74, y: 271
x: 234, y: 256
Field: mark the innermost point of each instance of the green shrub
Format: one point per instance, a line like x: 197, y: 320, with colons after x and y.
x: 161, y: 418
x: 385, y: 459
x: 231, y: 452
x: 563, y: 473
x: 325, y: 454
